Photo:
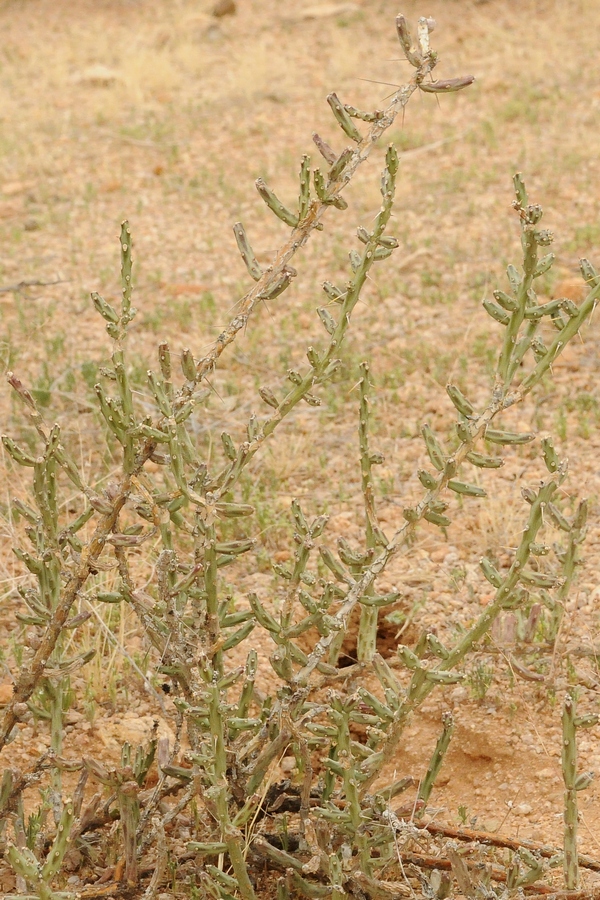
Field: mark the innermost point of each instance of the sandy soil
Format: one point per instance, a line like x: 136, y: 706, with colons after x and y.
x: 164, y: 114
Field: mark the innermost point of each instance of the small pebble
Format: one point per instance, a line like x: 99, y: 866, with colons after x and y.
x: 224, y: 8
x: 523, y: 809
x: 459, y: 694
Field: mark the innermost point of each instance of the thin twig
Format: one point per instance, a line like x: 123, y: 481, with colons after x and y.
x: 439, y: 862
x: 17, y: 288
x: 496, y: 840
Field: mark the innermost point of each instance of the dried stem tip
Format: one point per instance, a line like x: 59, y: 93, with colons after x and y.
x: 412, y: 55
x: 447, y: 86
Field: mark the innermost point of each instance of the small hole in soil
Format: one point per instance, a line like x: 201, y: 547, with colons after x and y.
x: 346, y: 660
x: 387, y: 642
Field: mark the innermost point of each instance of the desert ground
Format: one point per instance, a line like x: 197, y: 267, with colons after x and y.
x: 164, y: 114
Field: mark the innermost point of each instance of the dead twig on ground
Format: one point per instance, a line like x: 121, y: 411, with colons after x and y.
x: 20, y: 286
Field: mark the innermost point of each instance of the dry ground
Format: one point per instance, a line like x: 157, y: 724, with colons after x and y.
x: 156, y: 112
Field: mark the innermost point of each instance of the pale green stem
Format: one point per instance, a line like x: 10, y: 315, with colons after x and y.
x: 569, y: 770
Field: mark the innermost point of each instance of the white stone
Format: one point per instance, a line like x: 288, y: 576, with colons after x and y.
x: 523, y: 809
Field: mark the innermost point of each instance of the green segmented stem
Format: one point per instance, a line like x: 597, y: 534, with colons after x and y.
x: 126, y: 267
x: 433, y: 769
x: 507, y: 595
x: 569, y: 770
x: 369, y: 615
x: 246, y: 252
